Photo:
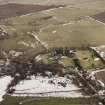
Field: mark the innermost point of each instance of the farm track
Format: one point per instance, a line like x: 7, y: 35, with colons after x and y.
x: 45, y: 45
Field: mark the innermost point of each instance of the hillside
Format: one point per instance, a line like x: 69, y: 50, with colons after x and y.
x: 52, y: 48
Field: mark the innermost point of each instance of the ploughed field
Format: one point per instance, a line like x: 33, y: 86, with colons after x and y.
x: 100, y: 17
x: 100, y: 75
x: 11, y: 10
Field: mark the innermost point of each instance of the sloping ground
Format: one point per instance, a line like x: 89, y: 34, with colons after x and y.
x: 43, y: 1
x: 72, y: 2
x: 83, y: 32
x: 56, y: 27
x: 100, y: 17
x: 10, y: 10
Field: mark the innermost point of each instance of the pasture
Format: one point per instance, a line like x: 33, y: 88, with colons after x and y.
x: 51, y: 101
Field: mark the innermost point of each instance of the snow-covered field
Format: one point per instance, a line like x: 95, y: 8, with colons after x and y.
x: 4, y: 81
x: 44, y: 86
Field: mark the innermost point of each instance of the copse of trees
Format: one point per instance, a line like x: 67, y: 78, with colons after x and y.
x: 77, y: 64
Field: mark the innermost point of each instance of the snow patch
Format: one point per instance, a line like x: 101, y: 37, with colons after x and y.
x: 4, y: 81
x: 96, y: 59
x: 23, y: 43
x: 53, y: 32
x: 44, y: 86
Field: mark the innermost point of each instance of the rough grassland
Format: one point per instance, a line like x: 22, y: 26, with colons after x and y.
x: 83, y: 32
x: 60, y: 27
x: 55, y: 33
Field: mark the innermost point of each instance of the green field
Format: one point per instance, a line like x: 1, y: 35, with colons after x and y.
x: 88, y: 60
x: 51, y: 101
x: 66, y: 61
